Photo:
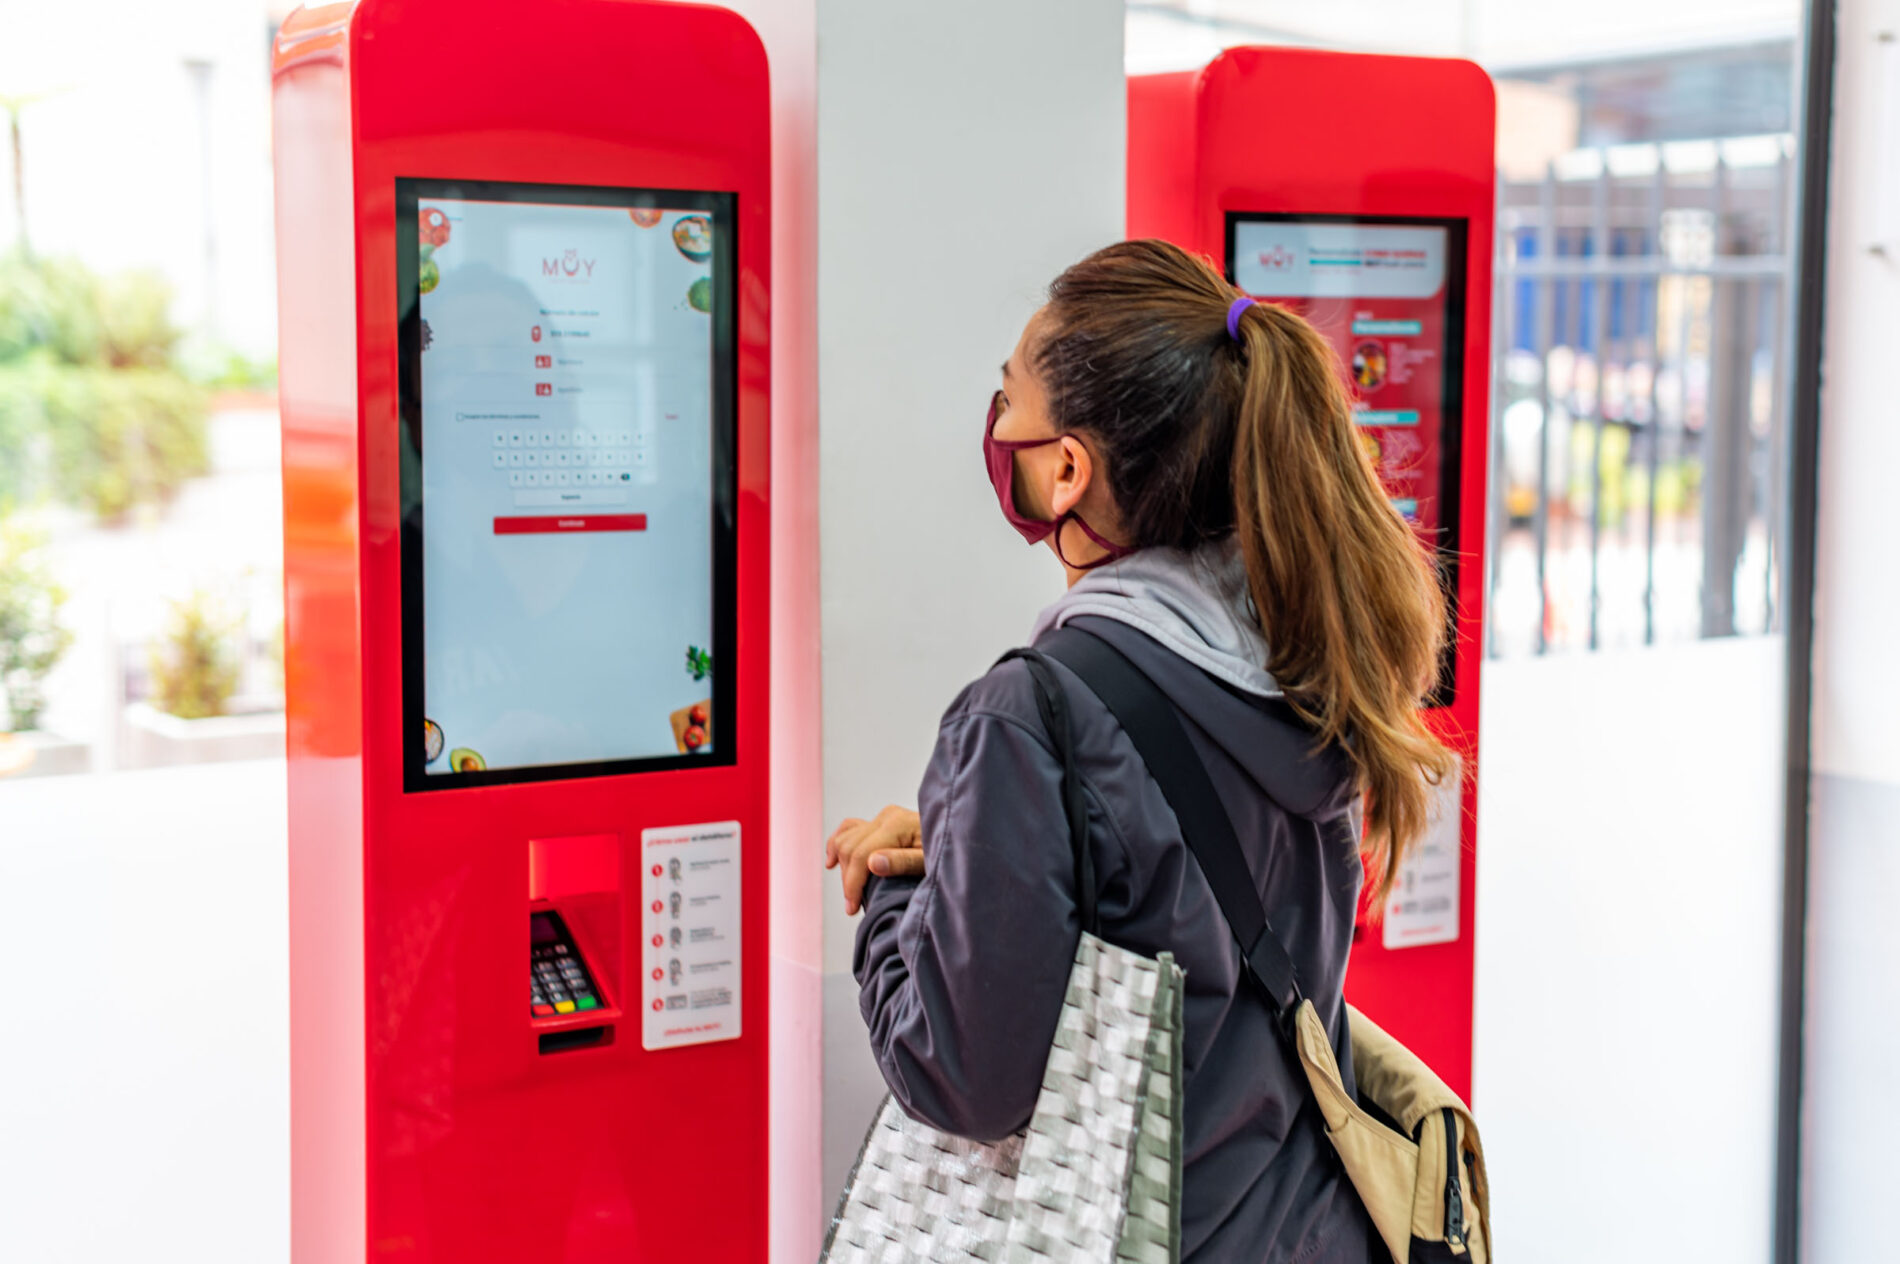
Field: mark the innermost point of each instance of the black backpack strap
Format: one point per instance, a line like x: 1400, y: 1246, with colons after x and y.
x: 1053, y: 703
x: 1151, y: 722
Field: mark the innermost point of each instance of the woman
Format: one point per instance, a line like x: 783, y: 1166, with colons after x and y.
x: 1189, y: 457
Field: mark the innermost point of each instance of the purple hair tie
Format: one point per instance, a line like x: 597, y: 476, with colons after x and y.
x: 1241, y: 304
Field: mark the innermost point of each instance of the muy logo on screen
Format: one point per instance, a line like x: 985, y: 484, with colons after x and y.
x: 569, y: 266
x: 1278, y: 259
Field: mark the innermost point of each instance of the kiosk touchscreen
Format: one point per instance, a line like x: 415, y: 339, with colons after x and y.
x: 568, y: 483
x: 1388, y: 293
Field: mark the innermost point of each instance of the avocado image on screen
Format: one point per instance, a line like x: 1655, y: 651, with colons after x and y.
x: 462, y: 759
x: 699, y: 295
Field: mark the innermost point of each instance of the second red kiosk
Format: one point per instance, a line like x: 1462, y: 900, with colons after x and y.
x: 1358, y: 190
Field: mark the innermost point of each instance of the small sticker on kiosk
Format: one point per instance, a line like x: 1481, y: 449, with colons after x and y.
x: 1423, y: 906
x: 689, y: 877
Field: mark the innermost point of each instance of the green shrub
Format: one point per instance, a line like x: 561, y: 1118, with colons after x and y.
x: 22, y: 420
x: 50, y: 304
x: 32, y: 640
x: 122, y: 437
x: 135, y: 326
x: 194, y: 670
x: 219, y: 366
x: 90, y: 365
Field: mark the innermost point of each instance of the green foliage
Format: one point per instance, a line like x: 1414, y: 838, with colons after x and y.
x: 88, y: 365
x: 194, y: 668
x: 32, y: 640
x: 21, y: 421
x: 135, y: 326
x: 122, y: 437
x: 219, y: 367
x: 51, y: 306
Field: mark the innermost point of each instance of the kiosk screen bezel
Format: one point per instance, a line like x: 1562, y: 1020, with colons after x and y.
x: 722, y: 207
x: 1451, y: 394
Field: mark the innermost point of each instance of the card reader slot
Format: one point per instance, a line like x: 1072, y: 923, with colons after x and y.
x: 573, y: 1038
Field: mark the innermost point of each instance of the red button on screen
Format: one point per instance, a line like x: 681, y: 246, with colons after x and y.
x: 553, y: 524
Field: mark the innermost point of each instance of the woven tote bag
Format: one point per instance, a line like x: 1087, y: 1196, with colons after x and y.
x: 1096, y: 1176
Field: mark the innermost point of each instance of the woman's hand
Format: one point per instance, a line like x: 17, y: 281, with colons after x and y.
x: 890, y: 845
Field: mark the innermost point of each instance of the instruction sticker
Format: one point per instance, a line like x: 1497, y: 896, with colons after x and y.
x: 690, y: 975
x: 1423, y: 906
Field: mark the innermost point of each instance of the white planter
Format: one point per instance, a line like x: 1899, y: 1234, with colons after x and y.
x: 37, y: 753
x: 151, y: 738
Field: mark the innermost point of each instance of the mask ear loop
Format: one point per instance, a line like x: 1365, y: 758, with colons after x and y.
x: 1116, y: 552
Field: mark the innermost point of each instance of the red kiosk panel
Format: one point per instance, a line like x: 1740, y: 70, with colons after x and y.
x: 1358, y: 190
x: 496, y: 218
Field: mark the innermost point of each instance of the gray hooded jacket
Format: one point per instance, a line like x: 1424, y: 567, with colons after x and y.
x: 962, y: 973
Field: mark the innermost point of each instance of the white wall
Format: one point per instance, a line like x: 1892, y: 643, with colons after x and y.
x: 1629, y: 888
x: 1853, y: 998
x: 966, y: 154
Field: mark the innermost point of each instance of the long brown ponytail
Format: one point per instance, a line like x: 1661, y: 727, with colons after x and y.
x: 1203, y: 436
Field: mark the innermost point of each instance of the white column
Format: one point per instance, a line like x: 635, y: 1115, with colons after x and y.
x: 788, y: 29
x: 966, y: 154
x: 1853, y: 998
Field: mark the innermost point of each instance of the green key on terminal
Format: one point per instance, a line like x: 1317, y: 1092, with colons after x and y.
x: 558, y: 974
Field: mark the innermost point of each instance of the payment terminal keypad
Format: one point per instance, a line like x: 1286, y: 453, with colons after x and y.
x: 558, y: 978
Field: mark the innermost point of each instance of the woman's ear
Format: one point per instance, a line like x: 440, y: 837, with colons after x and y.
x: 1073, y: 477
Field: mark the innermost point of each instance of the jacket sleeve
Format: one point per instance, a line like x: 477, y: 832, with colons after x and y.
x: 962, y: 973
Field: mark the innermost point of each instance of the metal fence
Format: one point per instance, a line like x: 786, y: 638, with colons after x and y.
x: 1640, y: 396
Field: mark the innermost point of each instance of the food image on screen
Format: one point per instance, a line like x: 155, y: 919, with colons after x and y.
x: 693, y: 235
x: 564, y: 510
x: 1368, y: 366
x: 692, y: 728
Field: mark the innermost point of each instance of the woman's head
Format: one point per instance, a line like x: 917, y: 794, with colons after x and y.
x: 1170, y: 431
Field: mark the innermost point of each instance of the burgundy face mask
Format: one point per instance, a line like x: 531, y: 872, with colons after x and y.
x: 999, y: 455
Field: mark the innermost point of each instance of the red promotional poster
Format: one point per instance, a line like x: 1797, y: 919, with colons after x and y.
x: 1386, y: 294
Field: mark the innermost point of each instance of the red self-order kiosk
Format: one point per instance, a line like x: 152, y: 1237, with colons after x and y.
x: 1358, y: 190
x: 523, y: 274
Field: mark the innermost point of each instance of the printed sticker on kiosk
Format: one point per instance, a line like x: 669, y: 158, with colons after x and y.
x: 690, y: 973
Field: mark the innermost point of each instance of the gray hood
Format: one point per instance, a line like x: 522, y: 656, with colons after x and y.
x: 1195, y: 603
